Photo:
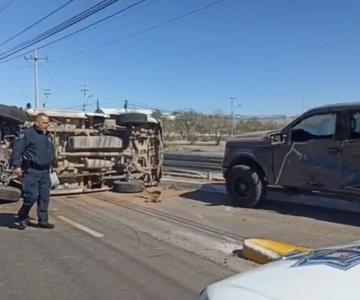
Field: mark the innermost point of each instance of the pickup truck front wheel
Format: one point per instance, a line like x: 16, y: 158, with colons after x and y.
x: 244, y: 186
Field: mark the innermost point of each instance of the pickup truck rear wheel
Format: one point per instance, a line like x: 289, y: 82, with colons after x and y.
x: 244, y: 186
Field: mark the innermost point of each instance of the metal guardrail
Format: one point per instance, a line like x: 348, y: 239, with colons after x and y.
x: 195, y: 162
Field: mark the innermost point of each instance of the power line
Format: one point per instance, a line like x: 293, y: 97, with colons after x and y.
x: 121, y: 16
x: 84, y: 13
x: 150, y: 28
x: 130, y: 103
x: 64, y: 25
x: 79, y: 107
x: 142, y: 105
x: 75, y: 19
x: 100, y: 22
x: 112, y: 104
x: 147, y: 29
x: 93, y: 24
x: 5, y: 6
x: 90, y: 26
x: 37, y: 22
x: 136, y: 104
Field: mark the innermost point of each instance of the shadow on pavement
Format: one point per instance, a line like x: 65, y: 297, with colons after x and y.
x: 211, y: 199
x: 8, y: 220
x: 313, y: 212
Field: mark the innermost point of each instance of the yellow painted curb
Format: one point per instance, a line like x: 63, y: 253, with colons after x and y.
x: 263, y: 251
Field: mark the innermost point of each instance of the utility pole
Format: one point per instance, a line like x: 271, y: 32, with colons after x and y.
x: 86, y: 101
x: 126, y: 106
x: 36, y: 58
x: 233, y: 108
x: 47, y: 93
x: 84, y: 91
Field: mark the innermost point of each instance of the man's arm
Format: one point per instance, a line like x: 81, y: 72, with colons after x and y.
x: 20, y: 145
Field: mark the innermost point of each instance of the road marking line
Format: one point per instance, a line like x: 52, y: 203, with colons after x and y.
x: 81, y: 227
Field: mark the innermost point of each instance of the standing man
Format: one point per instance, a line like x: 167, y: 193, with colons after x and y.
x: 33, y: 156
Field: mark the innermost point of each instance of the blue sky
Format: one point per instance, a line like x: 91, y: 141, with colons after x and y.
x: 276, y: 57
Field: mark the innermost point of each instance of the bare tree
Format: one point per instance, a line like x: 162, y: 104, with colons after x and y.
x: 221, y: 124
x: 189, y: 120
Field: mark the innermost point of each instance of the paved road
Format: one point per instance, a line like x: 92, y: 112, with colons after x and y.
x: 292, y: 223
x: 112, y: 246
x: 75, y: 263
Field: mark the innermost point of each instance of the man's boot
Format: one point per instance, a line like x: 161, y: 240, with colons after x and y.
x: 23, y: 224
x: 46, y: 225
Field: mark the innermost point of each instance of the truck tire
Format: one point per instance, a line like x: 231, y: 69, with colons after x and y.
x: 135, y: 186
x: 9, y: 194
x: 131, y: 118
x: 244, y: 186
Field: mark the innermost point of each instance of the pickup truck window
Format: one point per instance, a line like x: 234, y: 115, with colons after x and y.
x: 355, y: 126
x: 318, y: 126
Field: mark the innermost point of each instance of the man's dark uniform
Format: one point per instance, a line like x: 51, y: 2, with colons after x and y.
x: 34, y: 152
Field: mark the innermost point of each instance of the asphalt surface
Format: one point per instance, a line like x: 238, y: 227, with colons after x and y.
x: 311, y: 226
x: 73, y: 263
x: 114, y: 246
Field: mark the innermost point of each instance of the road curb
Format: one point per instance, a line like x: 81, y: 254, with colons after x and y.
x: 263, y: 251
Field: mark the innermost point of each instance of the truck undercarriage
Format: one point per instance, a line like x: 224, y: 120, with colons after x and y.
x: 93, y: 150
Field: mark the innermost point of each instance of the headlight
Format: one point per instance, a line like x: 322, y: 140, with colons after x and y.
x: 204, y: 295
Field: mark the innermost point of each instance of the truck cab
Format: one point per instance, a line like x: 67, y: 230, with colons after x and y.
x: 319, y: 150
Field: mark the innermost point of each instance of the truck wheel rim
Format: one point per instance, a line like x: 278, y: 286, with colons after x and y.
x: 242, y: 187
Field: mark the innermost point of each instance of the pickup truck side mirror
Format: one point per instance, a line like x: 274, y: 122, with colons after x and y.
x: 278, y: 138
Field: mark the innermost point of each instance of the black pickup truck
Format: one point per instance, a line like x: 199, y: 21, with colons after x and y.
x: 320, y: 150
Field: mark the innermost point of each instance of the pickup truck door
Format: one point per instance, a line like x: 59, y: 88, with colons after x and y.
x: 313, y: 158
x: 351, y: 153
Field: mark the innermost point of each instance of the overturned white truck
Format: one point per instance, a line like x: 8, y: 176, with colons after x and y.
x: 95, y: 151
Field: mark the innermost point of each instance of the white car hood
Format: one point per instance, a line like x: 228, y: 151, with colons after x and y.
x: 232, y: 292
x: 329, y: 274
